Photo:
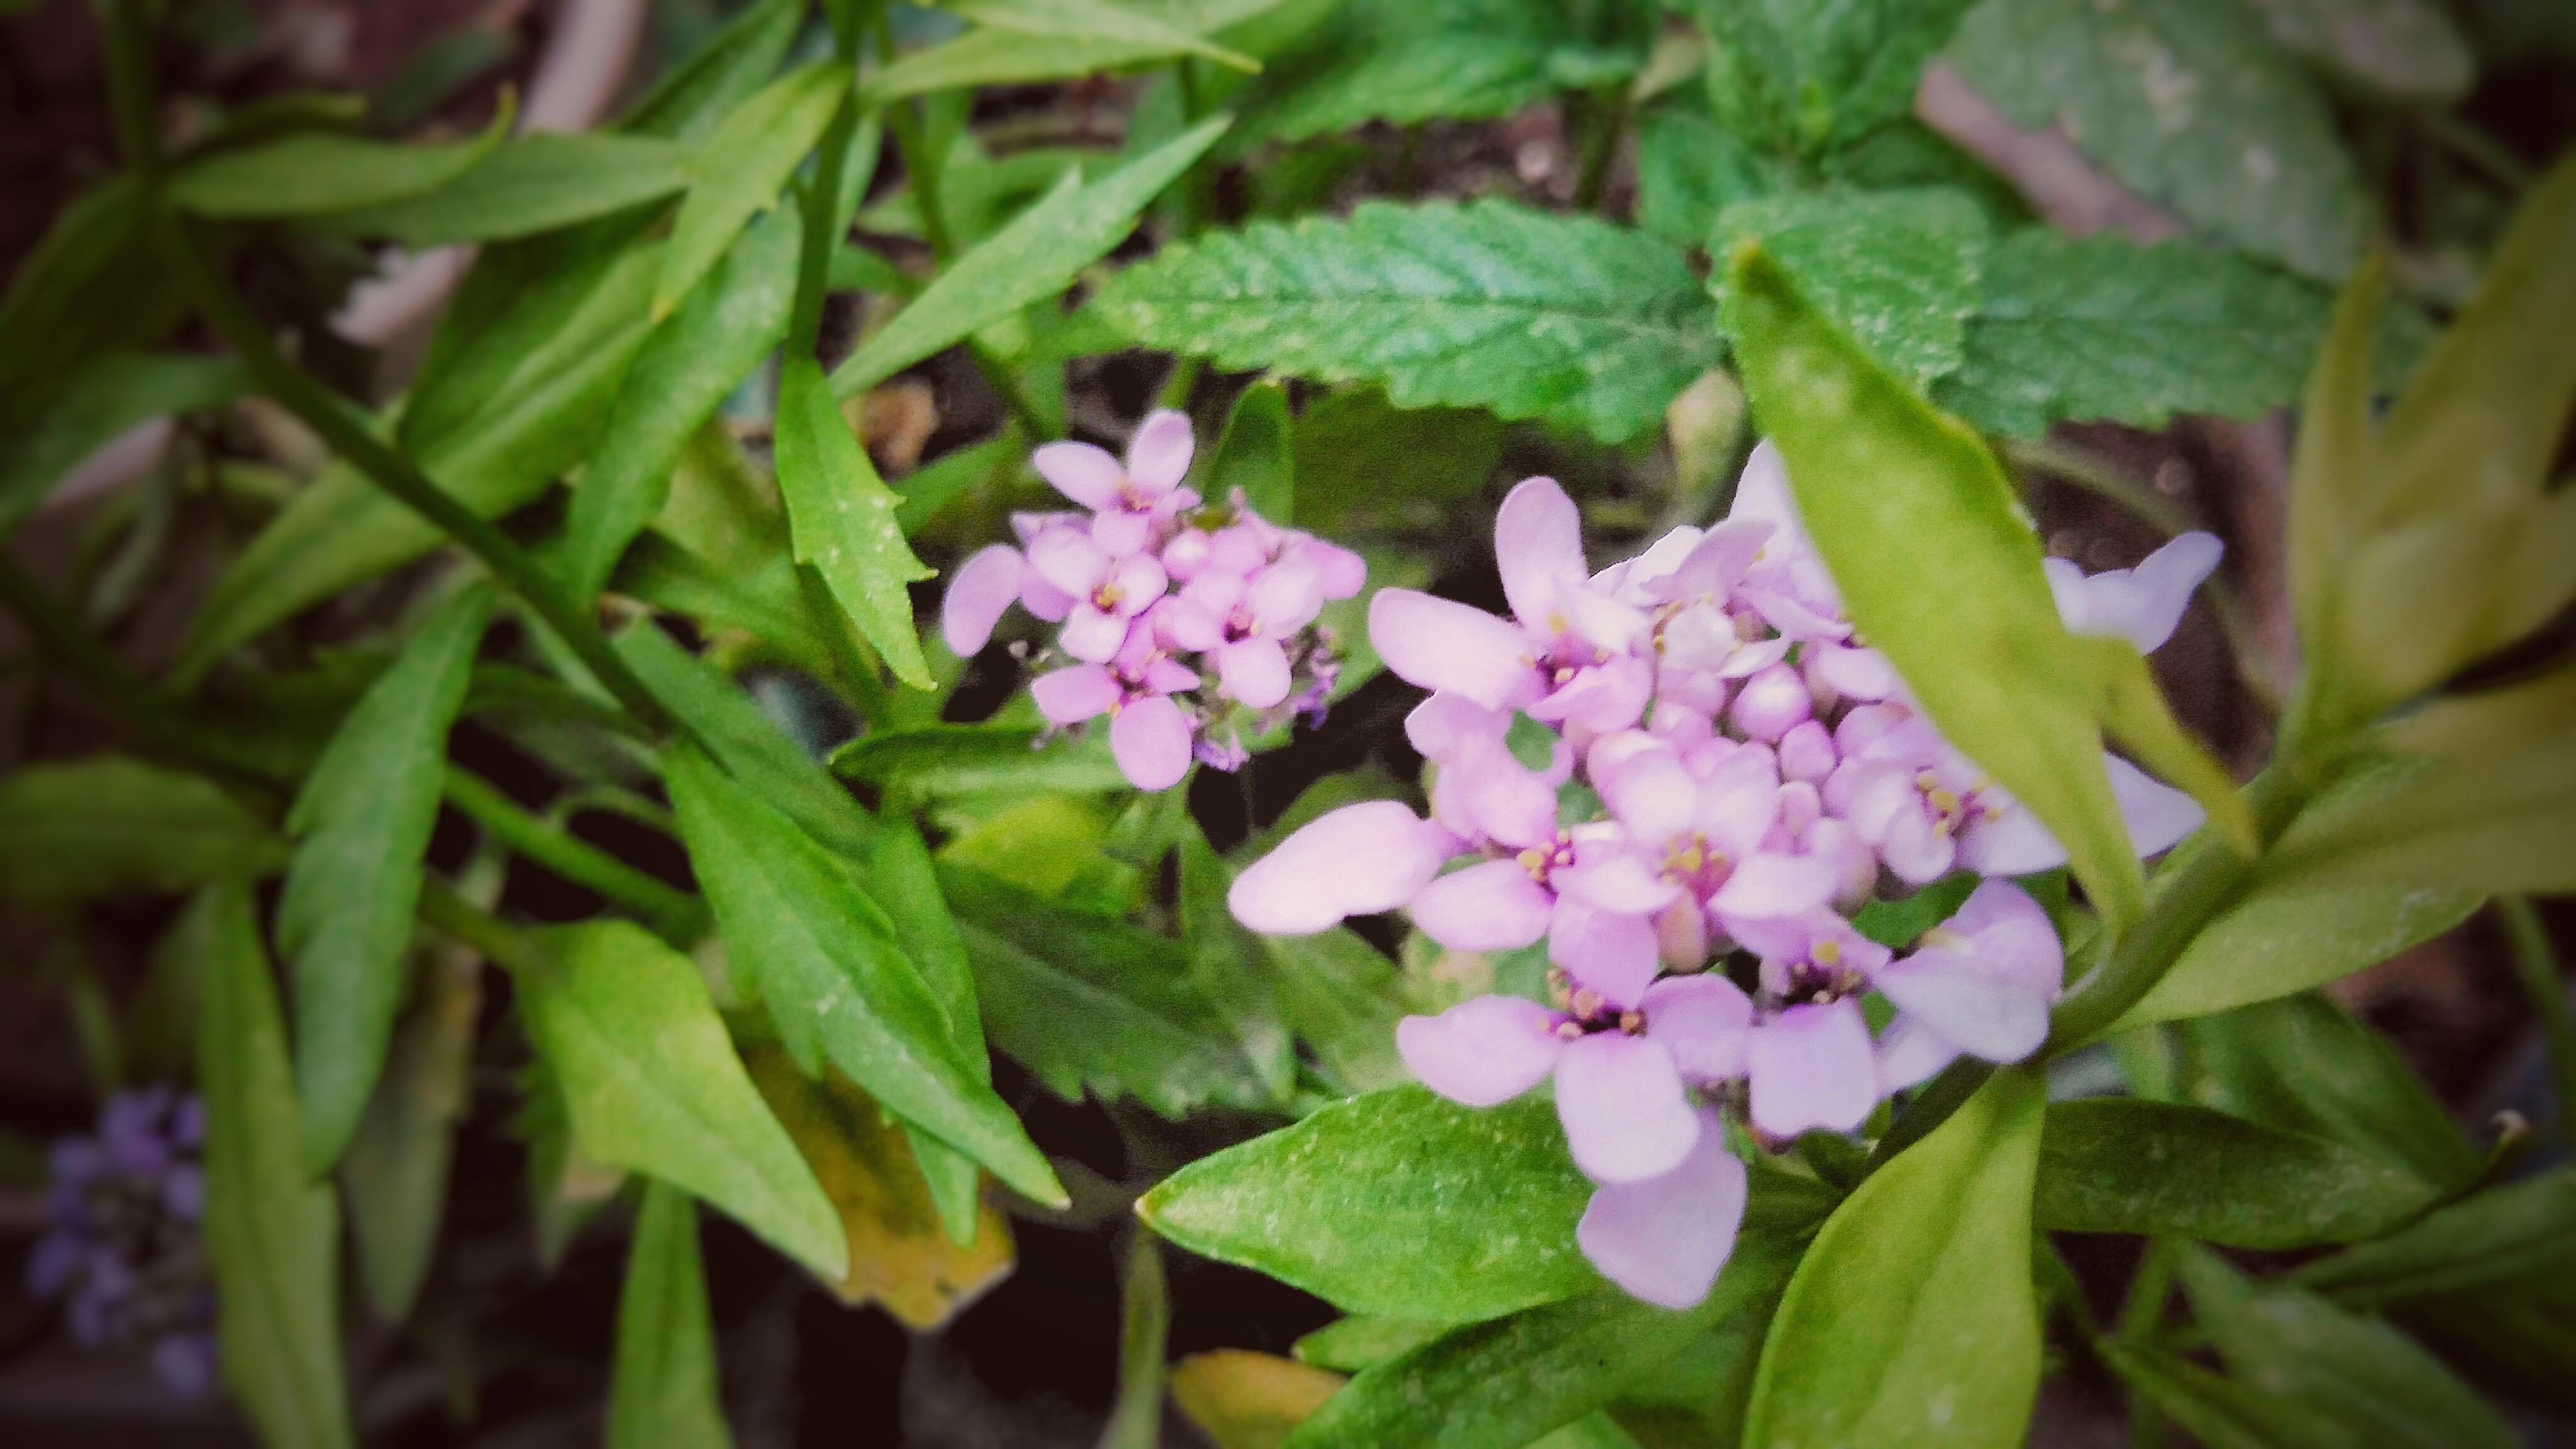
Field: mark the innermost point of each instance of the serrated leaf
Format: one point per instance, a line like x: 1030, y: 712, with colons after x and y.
x: 395, y: 1174
x: 841, y: 517
x: 2279, y: 942
x: 1034, y: 257
x: 1690, y: 168
x: 362, y: 824
x: 1406, y: 61
x: 1937, y: 567
x: 2166, y: 1169
x: 313, y: 173
x: 1898, y: 270
x: 650, y: 1082
x: 1088, y: 1003
x: 1800, y: 78
x: 738, y: 170
x: 1488, y: 305
x: 692, y: 97
x: 1912, y: 1319
x: 835, y: 979
x: 2188, y: 102
x: 662, y: 1391
x: 527, y: 185
x: 111, y: 825
x: 2401, y: 50
x: 101, y: 400
x: 1397, y: 1203
x: 272, y: 1231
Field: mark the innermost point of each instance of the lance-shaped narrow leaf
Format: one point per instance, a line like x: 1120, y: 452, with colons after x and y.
x: 361, y: 823
x: 2523, y: 1232
x: 842, y: 519
x: 663, y: 1391
x: 396, y: 1170
x: 737, y: 171
x: 834, y: 976
x: 1912, y: 1319
x: 1033, y: 258
x: 1492, y: 305
x: 2164, y: 1168
x: 272, y: 1232
x: 1096, y: 20
x: 693, y: 96
x: 96, y: 403
x: 528, y: 185
x: 651, y: 1083
x: 107, y: 825
x: 2282, y: 940
x: 311, y: 173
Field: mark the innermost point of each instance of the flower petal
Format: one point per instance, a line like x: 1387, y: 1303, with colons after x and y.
x: 1608, y: 953
x: 2143, y: 604
x: 1702, y: 1020
x: 1070, y: 696
x: 2157, y: 814
x: 1069, y: 560
x: 1976, y: 1011
x: 1626, y: 1117
x: 1482, y: 1051
x: 1158, y: 457
x: 1811, y: 1067
x: 1254, y: 671
x: 1081, y: 472
x: 1284, y: 598
x: 1490, y: 907
x: 1538, y: 542
x: 1910, y: 1054
x: 1665, y: 1239
x: 1150, y: 739
x: 1774, y: 885
x: 2010, y: 842
x: 1355, y: 861
x: 1091, y: 635
x: 1442, y: 645
x: 1611, y: 878
x: 982, y: 588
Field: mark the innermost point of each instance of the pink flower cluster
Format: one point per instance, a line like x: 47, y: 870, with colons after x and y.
x: 1724, y: 776
x: 1155, y: 591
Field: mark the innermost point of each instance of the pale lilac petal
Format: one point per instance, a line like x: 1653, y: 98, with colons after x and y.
x: 1538, y: 541
x: 1609, y: 954
x: 1807, y: 752
x: 1645, y: 786
x: 1184, y: 623
x: 1508, y: 803
x: 1158, y: 457
x: 2141, y: 605
x: 1862, y: 674
x: 1792, y: 616
x: 1441, y: 645
x: 1812, y: 1067
x: 2009, y: 935
x: 1977, y: 1011
x: 1254, y: 671
x: 1772, y: 885
x: 1772, y: 703
x: 1439, y: 727
x: 1122, y: 533
x: 1664, y: 1240
x: 1091, y: 635
x: 1339, y: 572
x: 1081, y: 472
x: 1169, y: 676
x: 1068, y: 560
x: 1150, y: 739
x: 1284, y: 598
x: 2009, y: 842
x: 1483, y: 1051
x: 982, y: 588
x: 1138, y: 581
x: 1910, y: 1054
x: 1751, y: 659
x: 1762, y: 494
x: 1610, y: 877
x: 1355, y: 861
x: 1070, y: 696
x: 1602, y: 698
x: 2158, y: 815
x: 1718, y: 563
x: 1626, y: 1117
x: 1044, y: 600
x: 1186, y: 554
x: 1490, y: 907
x: 1599, y: 620
x: 1702, y: 1020
x: 1916, y: 849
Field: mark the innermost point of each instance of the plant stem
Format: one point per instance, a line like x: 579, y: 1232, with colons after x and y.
x: 2482, y: 151
x: 472, y: 927
x: 2143, y: 1311
x: 1608, y: 115
x: 675, y: 915
x: 129, y: 88
x: 2535, y: 958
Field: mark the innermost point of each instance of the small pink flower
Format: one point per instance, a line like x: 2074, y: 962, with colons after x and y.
x: 1355, y: 861
x: 1979, y: 983
x: 1149, y: 735
x: 1129, y: 502
x: 1107, y: 590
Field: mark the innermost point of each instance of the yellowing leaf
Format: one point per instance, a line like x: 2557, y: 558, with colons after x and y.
x: 1248, y: 1400
x: 899, y: 1255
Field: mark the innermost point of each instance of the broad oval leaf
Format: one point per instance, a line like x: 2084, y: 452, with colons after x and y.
x: 104, y: 826
x: 841, y: 518
x: 1912, y: 1319
x: 946, y: 760
x: 311, y: 173
x: 651, y: 1083
x: 662, y: 1392
x: 362, y: 823
x: 1397, y: 1203
x: 738, y: 170
x: 2166, y: 1169
x: 836, y: 980
x: 2279, y: 942
x: 272, y: 1232
x: 1494, y: 305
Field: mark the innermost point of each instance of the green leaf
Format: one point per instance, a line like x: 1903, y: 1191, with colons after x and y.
x: 651, y: 1083
x: 111, y: 825
x: 2106, y: 329
x: 395, y: 1173
x: 1253, y: 454
x: 1033, y: 258
x: 2220, y: 1412
x: 997, y: 56
x: 1920, y: 526
x: 1136, y: 1415
x: 1492, y: 305
x: 737, y: 172
x: 1397, y: 1203
x: 527, y: 185
x: 2301, y: 1063
x: 106, y: 396
x: 2165, y: 1169
x: 541, y: 415
x: 2188, y: 102
x: 2521, y: 1232
x: 1898, y: 270
x: 2367, y: 1380
x: 2518, y: 1341
x: 1792, y: 77
x: 662, y: 1393
x: 272, y: 1232
x: 1343, y: 998
x: 313, y: 173
x: 2281, y: 941
x: 1406, y: 61
x: 835, y: 978
x: 1081, y: 20
x: 2398, y: 50
x: 1227, y: 966
x: 688, y: 365
x: 1087, y: 1002
x: 362, y: 823
x: 841, y: 515
x: 1347, y: 1345
x: 690, y: 99
x: 1511, y: 1380
x: 1360, y: 461
x: 949, y: 760
x: 1912, y: 1319
x: 95, y: 284
x: 1690, y: 169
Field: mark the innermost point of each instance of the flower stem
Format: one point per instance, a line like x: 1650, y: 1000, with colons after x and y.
x: 2535, y: 959
x: 674, y: 915
x: 472, y: 927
